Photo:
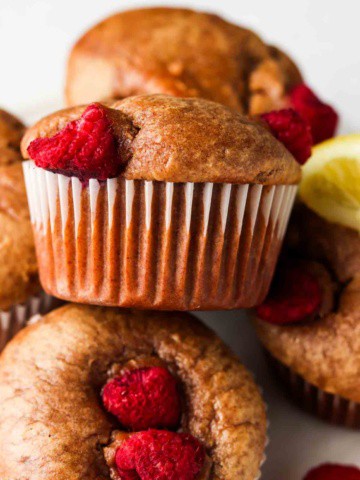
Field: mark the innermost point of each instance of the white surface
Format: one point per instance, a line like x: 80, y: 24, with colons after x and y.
x: 322, y: 35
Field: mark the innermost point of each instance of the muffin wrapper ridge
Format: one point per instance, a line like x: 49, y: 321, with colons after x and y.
x: 163, y: 245
x: 14, y: 319
x: 326, y: 406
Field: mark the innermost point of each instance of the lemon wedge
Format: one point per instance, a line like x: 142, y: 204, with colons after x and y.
x: 331, y: 181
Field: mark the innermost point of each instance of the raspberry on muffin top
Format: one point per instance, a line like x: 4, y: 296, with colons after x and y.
x: 162, y: 138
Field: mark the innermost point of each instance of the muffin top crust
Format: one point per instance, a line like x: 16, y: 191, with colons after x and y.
x: 178, y: 52
x: 18, y: 268
x: 62, y: 363
x: 11, y: 131
x: 166, y: 138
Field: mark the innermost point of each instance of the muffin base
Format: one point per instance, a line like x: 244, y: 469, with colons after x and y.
x: 156, y: 245
x: 326, y: 406
x: 13, y: 320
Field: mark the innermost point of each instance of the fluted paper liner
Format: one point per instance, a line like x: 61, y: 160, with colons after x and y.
x: 326, y: 406
x: 12, y: 320
x: 176, y: 246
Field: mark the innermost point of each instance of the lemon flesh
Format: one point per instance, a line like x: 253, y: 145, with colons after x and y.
x: 331, y: 181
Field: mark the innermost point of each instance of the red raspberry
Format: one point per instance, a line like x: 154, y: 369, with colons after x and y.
x: 291, y: 130
x: 85, y: 147
x: 144, y: 398
x: 294, y: 296
x: 322, y: 118
x: 333, y: 472
x: 160, y: 455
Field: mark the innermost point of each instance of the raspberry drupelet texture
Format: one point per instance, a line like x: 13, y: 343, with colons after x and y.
x: 144, y: 398
x: 322, y: 118
x: 291, y: 130
x: 160, y: 455
x: 333, y: 472
x: 295, y: 296
x: 85, y: 147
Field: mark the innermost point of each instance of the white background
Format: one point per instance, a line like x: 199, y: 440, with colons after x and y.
x: 322, y: 35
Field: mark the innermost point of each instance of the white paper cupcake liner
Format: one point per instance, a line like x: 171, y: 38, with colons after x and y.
x: 326, y: 406
x: 163, y: 245
x: 14, y: 319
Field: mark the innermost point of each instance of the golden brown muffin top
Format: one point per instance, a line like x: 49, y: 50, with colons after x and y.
x: 18, y: 267
x: 11, y: 131
x: 174, y: 139
x: 179, y: 52
x: 52, y: 424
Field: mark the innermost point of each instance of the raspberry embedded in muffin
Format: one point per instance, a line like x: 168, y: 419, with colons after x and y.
x: 295, y: 296
x: 144, y: 398
x: 333, y: 472
x: 322, y: 118
x: 85, y: 147
x: 291, y: 130
x: 160, y: 455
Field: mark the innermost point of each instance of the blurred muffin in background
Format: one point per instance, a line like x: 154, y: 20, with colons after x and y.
x: 179, y: 52
x: 20, y: 295
x: 186, y: 53
x: 11, y: 132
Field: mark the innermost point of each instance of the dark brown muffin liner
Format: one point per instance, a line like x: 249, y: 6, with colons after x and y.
x: 12, y: 320
x: 156, y: 245
x: 326, y: 406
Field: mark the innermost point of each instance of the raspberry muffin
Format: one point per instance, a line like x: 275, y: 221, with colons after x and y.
x: 98, y: 393
x: 158, y: 202
x: 310, y: 322
x: 19, y: 292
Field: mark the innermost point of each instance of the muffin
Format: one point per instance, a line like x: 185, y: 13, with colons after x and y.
x: 88, y: 392
x: 311, y: 322
x: 179, y: 52
x: 157, y: 202
x: 20, y: 295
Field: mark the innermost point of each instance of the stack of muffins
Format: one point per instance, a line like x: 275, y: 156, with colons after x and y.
x: 171, y: 192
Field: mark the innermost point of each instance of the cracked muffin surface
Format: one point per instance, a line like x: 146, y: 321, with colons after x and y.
x: 179, y: 52
x: 173, y: 139
x: 52, y: 423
